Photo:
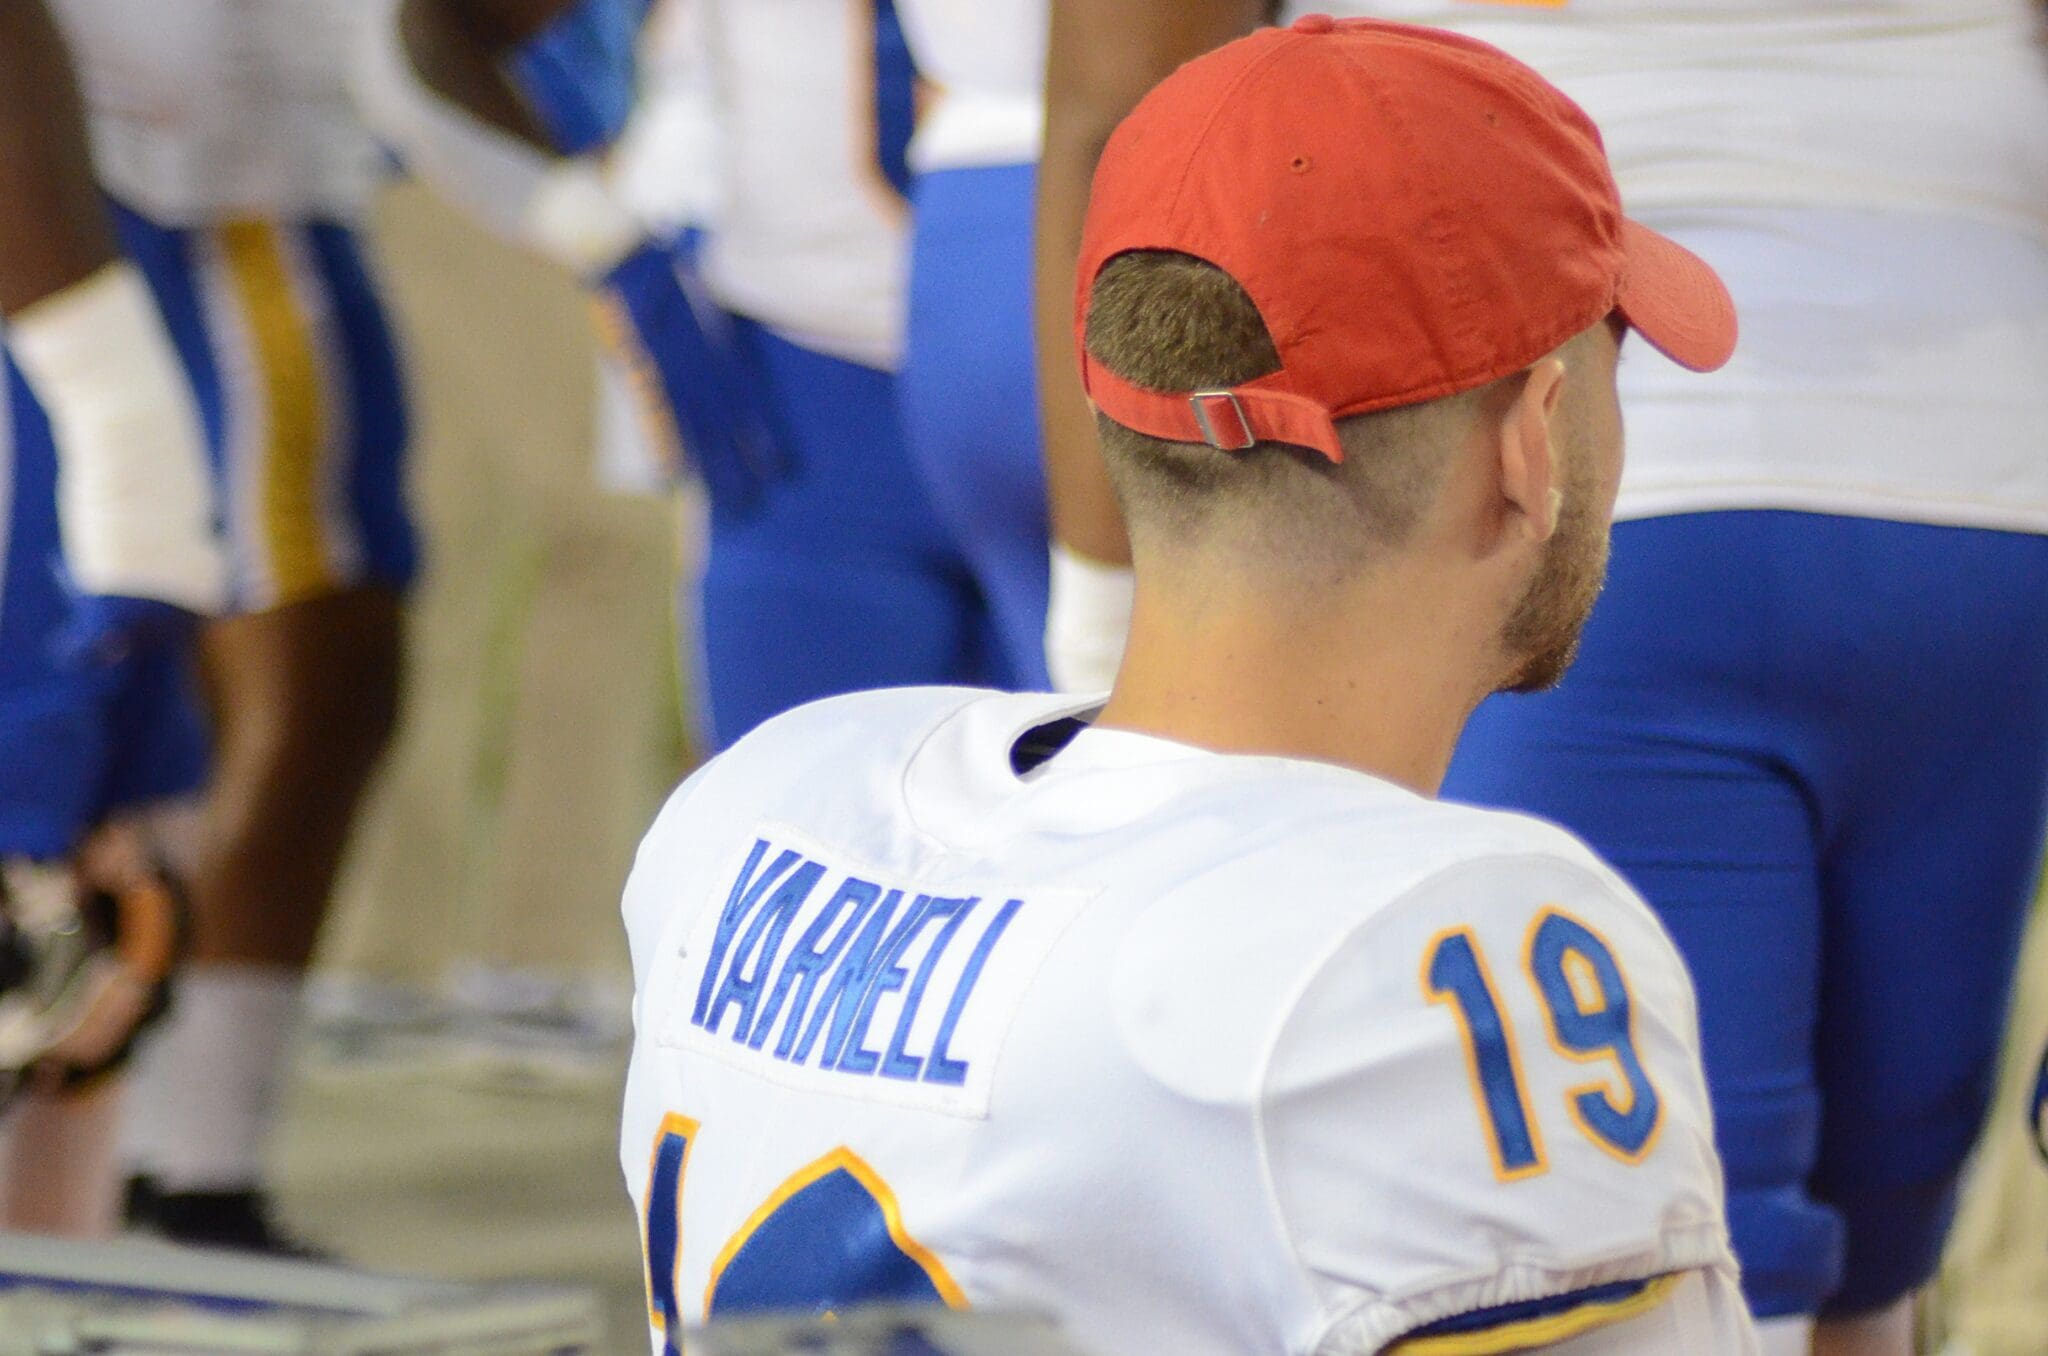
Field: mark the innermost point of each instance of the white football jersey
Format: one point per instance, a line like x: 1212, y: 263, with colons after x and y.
x: 203, y: 110
x: 985, y: 60
x: 1201, y: 1053
x: 1870, y: 178
x: 761, y: 119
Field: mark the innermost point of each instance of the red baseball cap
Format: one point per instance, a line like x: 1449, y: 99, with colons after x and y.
x: 1414, y: 213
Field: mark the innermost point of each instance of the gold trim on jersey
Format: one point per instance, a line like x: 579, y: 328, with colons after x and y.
x: 684, y: 1129
x: 1543, y: 1330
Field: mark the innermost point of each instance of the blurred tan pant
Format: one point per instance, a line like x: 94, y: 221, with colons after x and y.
x: 540, y: 729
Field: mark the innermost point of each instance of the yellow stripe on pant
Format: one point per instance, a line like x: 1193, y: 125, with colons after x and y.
x: 288, y: 376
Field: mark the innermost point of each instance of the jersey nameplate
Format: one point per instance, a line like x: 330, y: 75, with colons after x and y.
x: 819, y: 974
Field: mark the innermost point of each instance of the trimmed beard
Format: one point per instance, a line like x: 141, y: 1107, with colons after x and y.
x: 1544, y: 629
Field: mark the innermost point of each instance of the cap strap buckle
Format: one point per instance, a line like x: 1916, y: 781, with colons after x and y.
x: 1221, y: 418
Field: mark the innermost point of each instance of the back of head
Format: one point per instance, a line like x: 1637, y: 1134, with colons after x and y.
x: 1168, y: 321
x: 1322, y: 243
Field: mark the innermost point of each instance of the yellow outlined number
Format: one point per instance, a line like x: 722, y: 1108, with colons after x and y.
x: 1588, y: 1016
x: 831, y: 1235
x: 1455, y: 972
x: 661, y: 1239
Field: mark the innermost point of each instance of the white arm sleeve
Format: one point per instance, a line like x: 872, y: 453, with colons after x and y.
x: 135, y: 505
x: 1484, y: 1120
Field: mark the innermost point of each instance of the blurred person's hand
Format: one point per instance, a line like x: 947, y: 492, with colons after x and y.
x: 695, y: 395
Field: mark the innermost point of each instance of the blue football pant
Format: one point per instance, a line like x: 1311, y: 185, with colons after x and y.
x: 838, y: 578
x: 970, y: 393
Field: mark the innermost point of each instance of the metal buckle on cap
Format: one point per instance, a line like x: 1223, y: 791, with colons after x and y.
x: 1207, y: 405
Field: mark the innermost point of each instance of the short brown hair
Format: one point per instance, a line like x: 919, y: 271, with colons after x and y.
x: 1172, y: 322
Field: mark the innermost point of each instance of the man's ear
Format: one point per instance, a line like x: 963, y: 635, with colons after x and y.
x: 1531, y: 473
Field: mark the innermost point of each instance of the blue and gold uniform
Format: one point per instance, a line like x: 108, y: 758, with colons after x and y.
x: 226, y: 136
x: 281, y: 332
x: 236, y: 170
x: 948, y: 997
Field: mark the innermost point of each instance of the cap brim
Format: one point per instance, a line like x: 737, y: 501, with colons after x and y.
x: 1675, y: 301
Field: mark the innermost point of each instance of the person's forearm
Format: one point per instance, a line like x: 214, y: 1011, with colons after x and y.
x: 54, y: 229
x: 1082, y: 506
x: 1102, y: 56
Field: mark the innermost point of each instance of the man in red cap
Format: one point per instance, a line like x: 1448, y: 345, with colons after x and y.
x: 1810, y: 721
x: 1192, y: 1016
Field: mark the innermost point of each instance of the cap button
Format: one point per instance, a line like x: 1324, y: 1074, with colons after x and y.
x: 1315, y: 23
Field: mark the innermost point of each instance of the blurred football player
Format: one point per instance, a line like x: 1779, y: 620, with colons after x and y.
x: 1193, y: 1017
x: 766, y: 345
x: 971, y: 393
x: 222, y: 132
x: 1811, y: 721
x: 107, y: 555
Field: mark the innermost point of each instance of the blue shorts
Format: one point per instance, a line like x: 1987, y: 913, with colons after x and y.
x: 73, y: 746
x: 1819, y: 747
x: 289, y: 352
x: 969, y: 389
x: 839, y: 578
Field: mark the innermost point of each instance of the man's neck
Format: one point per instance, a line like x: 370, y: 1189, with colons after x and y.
x: 1383, y: 681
